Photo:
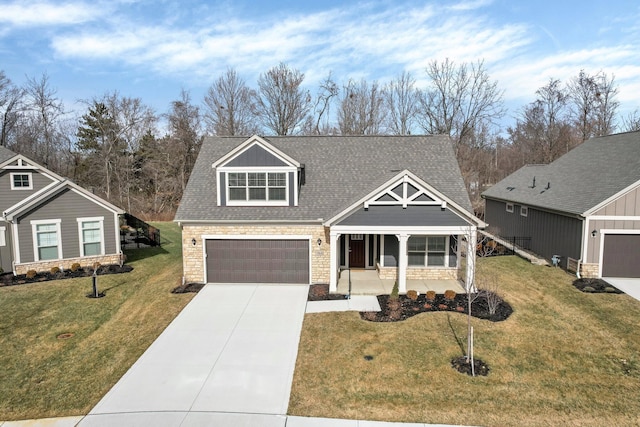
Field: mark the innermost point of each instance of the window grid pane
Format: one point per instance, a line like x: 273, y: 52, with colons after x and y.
x: 21, y: 180
x: 47, y: 241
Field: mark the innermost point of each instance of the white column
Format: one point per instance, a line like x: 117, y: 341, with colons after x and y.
x: 472, y: 239
x: 334, y: 241
x: 402, y: 262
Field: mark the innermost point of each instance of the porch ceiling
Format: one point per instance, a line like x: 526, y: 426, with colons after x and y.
x: 396, y: 215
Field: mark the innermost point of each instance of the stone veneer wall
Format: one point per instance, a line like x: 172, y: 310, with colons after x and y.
x: 192, y: 256
x: 65, y: 264
x: 589, y: 270
x: 417, y: 273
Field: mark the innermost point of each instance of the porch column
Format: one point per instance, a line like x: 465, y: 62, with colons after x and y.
x: 334, y: 240
x: 470, y: 285
x: 402, y: 262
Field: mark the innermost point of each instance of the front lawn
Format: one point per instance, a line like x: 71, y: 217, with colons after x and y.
x: 60, y: 351
x: 563, y: 357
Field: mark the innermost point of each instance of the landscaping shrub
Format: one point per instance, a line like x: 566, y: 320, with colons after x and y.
x: 75, y: 267
x: 449, y: 295
x: 394, y: 292
x: 54, y: 270
x: 31, y: 274
x: 588, y: 289
x: 431, y: 295
x: 412, y: 295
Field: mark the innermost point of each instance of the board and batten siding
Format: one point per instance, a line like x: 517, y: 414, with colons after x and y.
x: 551, y: 234
x: 628, y: 205
x: 66, y: 206
x: 9, y: 197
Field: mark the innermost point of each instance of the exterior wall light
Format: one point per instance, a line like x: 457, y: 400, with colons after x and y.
x: 193, y: 241
x: 594, y: 233
x: 319, y: 242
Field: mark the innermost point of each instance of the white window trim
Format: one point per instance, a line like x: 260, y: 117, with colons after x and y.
x: 3, y: 236
x: 426, y: 253
x: 524, y: 211
x: 29, y: 174
x: 509, y: 207
x: 34, y: 234
x: 266, y: 171
x: 100, y: 220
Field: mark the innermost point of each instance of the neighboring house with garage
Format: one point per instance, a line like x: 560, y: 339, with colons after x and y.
x: 583, y: 208
x: 48, y: 221
x: 302, y: 209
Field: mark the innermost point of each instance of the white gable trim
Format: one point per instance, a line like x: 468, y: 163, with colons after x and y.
x: 23, y: 163
x: 405, y: 200
x: 255, y: 140
x: 612, y: 198
x: 422, y: 186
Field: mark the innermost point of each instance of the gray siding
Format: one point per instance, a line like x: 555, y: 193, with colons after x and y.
x: 9, y: 197
x: 6, y: 251
x: 593, y: 243
x: 256, y: 156
x: 67, y: 206
x: 551, y: 234
x: 412, y: 215
x: 391, y: 250
x: 222, y: 189
x: 627, y: 205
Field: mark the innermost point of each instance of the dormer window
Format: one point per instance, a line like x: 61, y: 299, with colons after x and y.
x: 21, y: 181
x: 257, y: 186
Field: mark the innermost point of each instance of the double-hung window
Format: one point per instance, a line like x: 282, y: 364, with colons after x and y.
x: 257, y: 186
x: 427, y: 251
x: 46, y: 240
x: 91, y: 235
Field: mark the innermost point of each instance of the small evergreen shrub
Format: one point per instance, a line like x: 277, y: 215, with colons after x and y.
x: 75, y: 266
x: 588, y: 289
x: 31, y: 274
x: 54, y: 270
x: 394, y: 292
x: 449, y: 294
x: 610, y: 289
x: 412, y: 295
x: 431, y: 295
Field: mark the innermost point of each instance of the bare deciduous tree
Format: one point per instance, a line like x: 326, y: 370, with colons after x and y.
x: 281, y: 101
x: 361, y: 110
x: 593, y: 103
x: 631, y: 123
x: 318, y: 122
x: 401, y: 98
x: 10, y: 99
x: 458, y: 99
x: 230, y: 108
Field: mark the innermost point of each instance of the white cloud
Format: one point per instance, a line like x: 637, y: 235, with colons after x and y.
x: 27, y: 14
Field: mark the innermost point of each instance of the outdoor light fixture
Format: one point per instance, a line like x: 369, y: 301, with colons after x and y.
x: 319, y: 242
x: 193, y: 242
x: 594, y: 233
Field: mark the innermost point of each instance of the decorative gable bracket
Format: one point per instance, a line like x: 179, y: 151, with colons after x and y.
x: 405, y: 192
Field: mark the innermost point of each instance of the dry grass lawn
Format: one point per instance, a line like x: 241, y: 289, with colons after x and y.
x: 43, y: 376
x: 562, y: 358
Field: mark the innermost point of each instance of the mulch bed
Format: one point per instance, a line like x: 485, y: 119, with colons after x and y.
x: 595, y: 286
x: 462, y: 365
x: 188, y: 287
x: 8, y: 279
x: 320, y: 292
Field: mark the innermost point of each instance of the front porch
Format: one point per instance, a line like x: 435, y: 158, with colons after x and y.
x: 368, y: 282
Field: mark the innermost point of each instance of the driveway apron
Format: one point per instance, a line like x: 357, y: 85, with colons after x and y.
x: 231, y: 350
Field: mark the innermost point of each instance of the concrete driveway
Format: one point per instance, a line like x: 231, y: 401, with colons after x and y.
x: 630, y: 286
x: 228, y: 356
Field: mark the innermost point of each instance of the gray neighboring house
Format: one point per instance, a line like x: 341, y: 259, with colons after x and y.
x: 302, y: 209
x: 583, y: 207
x: 48, y: 221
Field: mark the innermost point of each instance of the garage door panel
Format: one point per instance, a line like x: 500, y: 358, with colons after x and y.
x: 257, y: 261
x: 621, y: 256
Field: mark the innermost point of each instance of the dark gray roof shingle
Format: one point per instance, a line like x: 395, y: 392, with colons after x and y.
x: 578, y: 181
x: 339, y: 171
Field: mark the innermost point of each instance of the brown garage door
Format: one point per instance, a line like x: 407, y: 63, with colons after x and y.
x: 621, y: 257
x: 257, y: 261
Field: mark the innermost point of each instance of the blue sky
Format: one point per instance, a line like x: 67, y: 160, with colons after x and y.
x: 153, y: 49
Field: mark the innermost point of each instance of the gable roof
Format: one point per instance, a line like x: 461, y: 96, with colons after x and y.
x: 582, y: 179
x: 339, y: 170
x: 5, y: 154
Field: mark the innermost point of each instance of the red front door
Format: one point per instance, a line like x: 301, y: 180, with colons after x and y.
x: 356, y: 251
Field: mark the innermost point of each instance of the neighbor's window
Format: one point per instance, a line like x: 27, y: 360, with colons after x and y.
x: 427, y: 251
x: 47, y: 240
x: 510, y: 207
x: 21, y: 181
x: 260, y: 186
x: 91, y: 236
x: 524, y: 211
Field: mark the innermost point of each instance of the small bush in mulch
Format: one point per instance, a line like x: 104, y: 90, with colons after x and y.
x: 462, y: 365
x: 187, y: 287
x: 409, y: 308
x: 320, y: 292
x: 595, y: 286
x: 8, y: 279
